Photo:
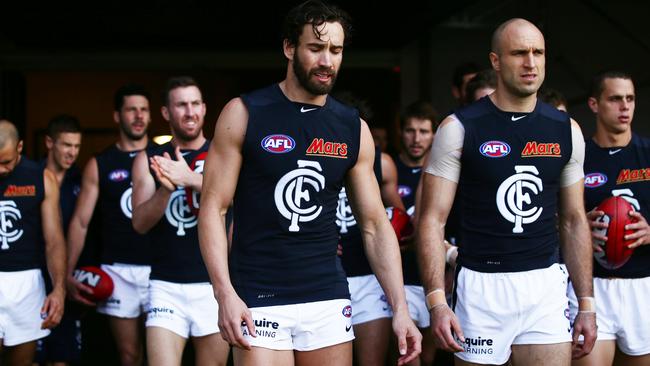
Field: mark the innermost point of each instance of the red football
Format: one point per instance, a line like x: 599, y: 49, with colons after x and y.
x: 615, y: 251
x: 95, y: 278
x: 191, y: 195
x: 401, y: 222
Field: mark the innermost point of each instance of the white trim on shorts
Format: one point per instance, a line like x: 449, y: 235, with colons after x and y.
x: 622, y: 312
x: 187, y: 309
x: 22, y: 294
x: 368, y: 299
x: 498, y: 310
x: 302, y: 327
x: 130, y: 296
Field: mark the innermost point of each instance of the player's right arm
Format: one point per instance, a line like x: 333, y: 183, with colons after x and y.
x: 220, y: 174
x: 78, y: 228
x: 148, y: 202
x: 439, y: 183
x: 388, y: 186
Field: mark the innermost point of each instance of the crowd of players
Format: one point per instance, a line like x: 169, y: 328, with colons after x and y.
x: 497, y: 270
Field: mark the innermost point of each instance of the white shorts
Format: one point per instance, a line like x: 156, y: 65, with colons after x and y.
x: 497, y: 310
x: 417, y: 306
x: 622, y: 306
x: 22, y: 294
x: 130, y: 296
x: 368, y: 299
x: 302, y: 327
x: 187, y: 309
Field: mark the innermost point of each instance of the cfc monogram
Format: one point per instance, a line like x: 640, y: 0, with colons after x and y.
x: 292, y: 193
x: 514, y: 192
x: 178, y: 212
x: 9, y: 218
x: 344, y: 216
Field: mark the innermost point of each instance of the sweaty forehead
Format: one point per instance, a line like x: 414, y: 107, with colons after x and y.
x: 329, y: 32
x: 521, y: 36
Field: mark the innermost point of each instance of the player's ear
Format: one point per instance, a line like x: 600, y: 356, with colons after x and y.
x: 49, y: 142
x: 116, y: 116
x: 165, y: 113
x: 289, y: 49
x: 593, y: 104
x: 494, y: 60
x: 19, y: 147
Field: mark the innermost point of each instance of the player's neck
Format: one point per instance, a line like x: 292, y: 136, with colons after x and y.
x: 59, y: 172
x: 194, y: 144
x: 296, y: 93
x: 127, y: 144
x: 605, y: 138
x: 410, y: 162
x: 508, y: 102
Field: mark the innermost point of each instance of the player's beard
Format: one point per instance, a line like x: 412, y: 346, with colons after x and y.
x: 183, y: 135
x: 303, y: 76
x: 130, y: 134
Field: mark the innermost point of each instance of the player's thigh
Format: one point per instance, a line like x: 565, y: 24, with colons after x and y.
x: 621, y: 359
x: 428, y: 347
x: 555, y: 354
x: 211, y: 350
x: 19, y: 355
x: 336, y: 355
x: 164, y: 347
x: 127, y: 332
x: 459, y: 362
x: 371, y: 342
x: 601, y: 355
x: 258, y: 356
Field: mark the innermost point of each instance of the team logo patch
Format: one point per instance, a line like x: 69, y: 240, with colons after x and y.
x: 347, y: 311
x: 404, y: 191
x: 295, y: 193
x: 514, y: 197
x: 20, y: 191
x: 278, y: 144
x: 631, y: 175
x: 118, y: 175
x: 534, y: 149
x: 320, y: 147
x: 593, y: 180
x: 494, y: 149
x: 10, y: 217
x: 344, y: 216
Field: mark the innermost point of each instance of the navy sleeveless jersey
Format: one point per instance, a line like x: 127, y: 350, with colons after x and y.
x: 121, y: 244
x: 21, y: 231
x: 620, y: 171
x: 509, y: 183
x: 175, y: 238
x: 354, y: 260
x: 408, y: 179
x: 296, y: 157
x: 68, y: 193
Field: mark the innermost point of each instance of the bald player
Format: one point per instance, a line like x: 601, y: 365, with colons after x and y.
x: 30, y: 228
x: 521, y: 164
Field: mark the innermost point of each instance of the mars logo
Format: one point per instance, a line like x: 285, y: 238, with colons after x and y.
x: 344, y: 216
x: 403, y: 191
x: 593, y: 180
x: 9, y: 217
x: 494, y: 149
x: 125, y: 202
x: 278, y: 144
x: 293, y: 188
x: 514, y: 192
x: 118, y: 175
x: 178, y: 212
x: 347, y: 311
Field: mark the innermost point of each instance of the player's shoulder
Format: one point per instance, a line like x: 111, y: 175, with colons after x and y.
x: 341, y: 109
x: 30, y: 165
x: 641, y: 141
x: 551, y: 113
x: 478, y: 109
x: 263, y: 97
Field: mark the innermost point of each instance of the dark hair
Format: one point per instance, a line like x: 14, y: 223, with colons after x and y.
x: 61, y: 124
x: 126, y: 91
x: 177, y: 82
x: 421, y: 110
x: 483, y: 79
x: 462, y: 70
x: 314, y: 12
x: 597, y: 82
x: 362, y: 105
x: 552, y: 97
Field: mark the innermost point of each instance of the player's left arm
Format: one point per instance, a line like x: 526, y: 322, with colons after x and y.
x: 389, y: 193
x: 177, y: 171
x: 641, y: 234
x: 54, y: 251
x: 575, y: 242
x: 381, y: 244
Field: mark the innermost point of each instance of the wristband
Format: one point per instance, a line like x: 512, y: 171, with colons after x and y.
x: 435, y: 298
x: 450, y: 252
x: 586, y: 304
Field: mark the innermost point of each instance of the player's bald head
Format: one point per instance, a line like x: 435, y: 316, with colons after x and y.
x: 8, y: 133
x: 513, y: 28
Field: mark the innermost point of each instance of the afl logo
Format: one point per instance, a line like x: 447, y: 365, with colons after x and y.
x: 278, y: 144
x: 404, y: 191
x: 494, y: 149
x: 347, y: 311
x: 296, y: 188
x: 118, y: 175
x: 593, y: 180
x: 513, y: 197
x: 344, y: 216
x: 9, y: 219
